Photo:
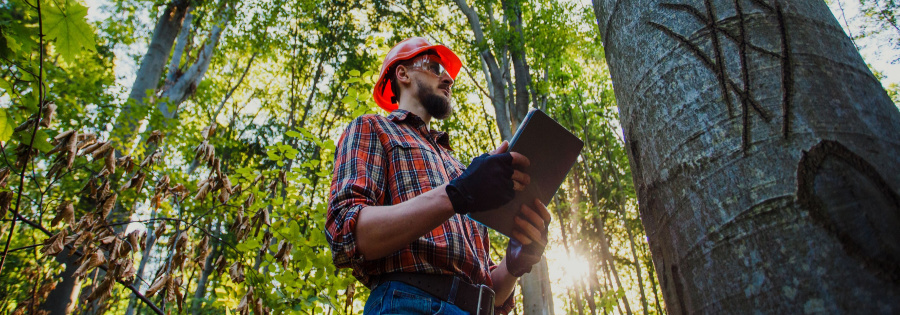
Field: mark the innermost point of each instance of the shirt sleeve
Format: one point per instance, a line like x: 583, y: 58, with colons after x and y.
x: 358, y: 181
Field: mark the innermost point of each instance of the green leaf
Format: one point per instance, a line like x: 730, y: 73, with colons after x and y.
x: 354, y: 73
x: 292, y: 134
x: 40, y: 139
x: 64, y: 22
x: 353, y: 80
x: 11, y: 42
x: 5, y: 85
x: 6, y: 128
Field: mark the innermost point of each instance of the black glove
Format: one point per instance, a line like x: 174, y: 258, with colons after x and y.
x: 486, y: 184
x: 520, y: 258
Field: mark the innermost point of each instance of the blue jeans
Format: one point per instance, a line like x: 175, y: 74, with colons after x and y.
x: 394, y: 297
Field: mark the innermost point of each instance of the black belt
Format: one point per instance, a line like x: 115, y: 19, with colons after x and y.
x: 475, y: 299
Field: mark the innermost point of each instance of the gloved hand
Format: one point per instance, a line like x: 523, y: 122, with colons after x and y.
x: 486, y: 184
x: 520, y: 258
x: 529, y: 239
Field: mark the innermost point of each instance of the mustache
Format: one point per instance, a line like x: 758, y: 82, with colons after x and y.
x: 445, y: 86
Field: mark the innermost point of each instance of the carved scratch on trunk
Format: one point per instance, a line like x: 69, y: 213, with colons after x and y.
x: 717, y: 62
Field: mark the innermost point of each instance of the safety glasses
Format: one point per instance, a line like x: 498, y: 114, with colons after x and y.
x: 430, y: 64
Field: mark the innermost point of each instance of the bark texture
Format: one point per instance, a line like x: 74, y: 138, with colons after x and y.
x: 764, y: 152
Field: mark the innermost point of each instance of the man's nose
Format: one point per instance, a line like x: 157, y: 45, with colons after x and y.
x: 446, y: 79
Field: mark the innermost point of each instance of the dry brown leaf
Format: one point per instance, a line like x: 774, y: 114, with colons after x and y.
x: 72, y: 150
x: 236, y: 271
x: 96, y: 259
x: 90, y: 136
x: 154, y: 137
x: 134, y: 240
x: 170, y: 290
x: 4, y: 175
x: 249, y: 201
x: 108, y: 205
x: 159, y: 230
x: 221, y: 264
x: 92, y: 148
x: 150, y: 159
x: 103, y: 290
x: 6, y: 198
x: 128, y: 272
x: 101, y: 150
x: 63, y: 135
x: 181, y: 244
x: 82, y: 237
x: 25, y: 125
x: 203, y: 252
x: 55, y: 244
x: 223, y: 196
x: 154, y: 201
x: 209, y: 131
x: 162, y: 184
x: 48, y: 112
x: 64, y: 213
x: 226, y: 183
x: 111, y: 161
x: 202, y: 191
x: 243, y: 307
x: 156, y: 286
x: 107, y: 240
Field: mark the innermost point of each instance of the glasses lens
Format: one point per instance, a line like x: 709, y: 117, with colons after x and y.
x: 431, y: 65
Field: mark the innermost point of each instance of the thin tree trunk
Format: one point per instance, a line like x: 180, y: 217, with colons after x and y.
x: 145, y: 258
x: 764, y: 155
x: 494, y: 77
x: 152, y: 66
x: 203, y: 281
x: 610, y: 264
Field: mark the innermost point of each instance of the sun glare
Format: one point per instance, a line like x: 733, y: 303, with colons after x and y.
x: 567, y: 270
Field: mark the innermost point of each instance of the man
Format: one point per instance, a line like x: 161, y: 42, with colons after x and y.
x: 398, y: 199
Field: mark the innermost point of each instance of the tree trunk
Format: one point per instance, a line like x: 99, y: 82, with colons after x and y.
x: 536, y: 295
x: 493, y: 76
x: 152, y: 66
x: 62, y: 300
x: 197, y: 303
x: 764, y: 153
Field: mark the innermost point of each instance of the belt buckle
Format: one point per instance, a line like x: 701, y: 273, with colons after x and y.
x: 481, y: 292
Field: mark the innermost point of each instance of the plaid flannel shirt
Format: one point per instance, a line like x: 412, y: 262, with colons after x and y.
x: 388, y: 160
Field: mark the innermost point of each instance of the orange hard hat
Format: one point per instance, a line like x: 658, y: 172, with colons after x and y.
x: 404, y: 50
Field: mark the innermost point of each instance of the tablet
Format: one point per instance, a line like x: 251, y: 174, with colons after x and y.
x: 552, y: 151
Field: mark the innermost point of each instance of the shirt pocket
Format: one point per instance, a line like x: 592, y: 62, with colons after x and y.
x: 415, y: 168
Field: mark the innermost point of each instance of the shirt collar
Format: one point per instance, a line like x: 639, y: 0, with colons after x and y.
x: 402, y: 115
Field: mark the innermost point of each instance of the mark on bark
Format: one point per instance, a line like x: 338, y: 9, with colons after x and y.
x: 787, y: 76
x: 679, y: 289
x: 849, y: 198
x: 717, y: 63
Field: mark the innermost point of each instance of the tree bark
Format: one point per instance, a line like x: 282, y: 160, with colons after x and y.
x: 764, y: 154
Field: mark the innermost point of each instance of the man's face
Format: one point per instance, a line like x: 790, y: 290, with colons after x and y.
x: 433, y: 85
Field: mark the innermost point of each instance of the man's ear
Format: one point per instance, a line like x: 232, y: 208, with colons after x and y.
x: 403, y: 75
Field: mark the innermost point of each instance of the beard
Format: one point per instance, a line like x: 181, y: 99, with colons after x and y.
x: 435, y: 105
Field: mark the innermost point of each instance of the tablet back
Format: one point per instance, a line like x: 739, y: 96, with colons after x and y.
x: 552, y: 150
